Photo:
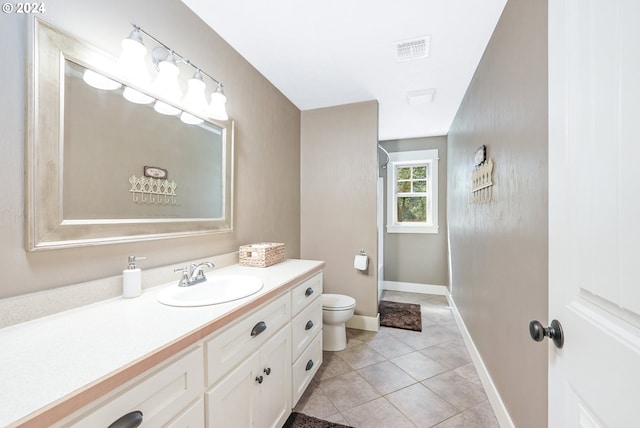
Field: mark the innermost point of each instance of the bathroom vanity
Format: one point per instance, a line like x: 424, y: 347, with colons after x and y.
x: 241, y: 363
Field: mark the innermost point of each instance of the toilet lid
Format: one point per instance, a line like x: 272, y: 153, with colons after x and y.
x: 335, y: 302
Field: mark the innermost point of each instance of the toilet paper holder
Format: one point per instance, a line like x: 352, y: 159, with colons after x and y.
x: 361, y: 260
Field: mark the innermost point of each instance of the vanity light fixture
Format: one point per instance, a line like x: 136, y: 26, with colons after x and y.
x: 133, y: 67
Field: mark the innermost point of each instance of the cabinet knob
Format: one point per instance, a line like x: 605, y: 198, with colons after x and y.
x: 130, y: 420
x: 259, y: 379
x: 309, y: 325
x: 308, y: 292
x: 309, y: 365
x: 267, y: 371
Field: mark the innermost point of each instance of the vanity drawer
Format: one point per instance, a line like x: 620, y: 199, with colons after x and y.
x: 305, y: 367
x: 305, y: 326
x: 193, y: 417
x: 305, y: 293
x: 236, y: 342
x: 160, y: 396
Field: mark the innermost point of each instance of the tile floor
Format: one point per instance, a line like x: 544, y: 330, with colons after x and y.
x: 397, y: 378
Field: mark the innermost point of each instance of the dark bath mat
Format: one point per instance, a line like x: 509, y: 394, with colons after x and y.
x: 400, y: 315
x: 300, y: 420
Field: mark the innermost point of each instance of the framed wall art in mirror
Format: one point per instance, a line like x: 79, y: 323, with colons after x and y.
x: 101, y: 169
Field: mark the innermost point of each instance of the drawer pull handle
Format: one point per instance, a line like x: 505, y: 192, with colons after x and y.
x: 308, y: 292
x: 309, y: 365
x: 258, y: 328
x: 309, y: 325
x: 267, y: 371
x: 130, y: 420
x: 259, y: 379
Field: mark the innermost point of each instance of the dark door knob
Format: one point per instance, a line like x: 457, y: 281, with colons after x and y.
x: 553, y: 332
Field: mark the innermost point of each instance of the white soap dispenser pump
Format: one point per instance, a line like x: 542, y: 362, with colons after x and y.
x: 132, y: 279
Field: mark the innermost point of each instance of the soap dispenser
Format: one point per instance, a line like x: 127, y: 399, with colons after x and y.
x: 132, y: 279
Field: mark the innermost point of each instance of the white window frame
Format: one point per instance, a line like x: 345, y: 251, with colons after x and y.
x: 402, y: 159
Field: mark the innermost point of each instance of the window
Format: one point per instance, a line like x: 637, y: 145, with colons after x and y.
x: 412, y: 192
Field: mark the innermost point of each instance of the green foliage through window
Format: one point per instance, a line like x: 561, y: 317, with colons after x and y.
x: 411, y: 188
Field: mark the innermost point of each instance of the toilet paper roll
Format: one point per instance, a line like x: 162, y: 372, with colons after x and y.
x: 360, y: 262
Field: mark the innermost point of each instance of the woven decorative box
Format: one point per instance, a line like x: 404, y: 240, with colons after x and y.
x: 262, y: 254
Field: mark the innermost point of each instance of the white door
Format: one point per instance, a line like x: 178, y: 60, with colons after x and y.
x: 594, y: 212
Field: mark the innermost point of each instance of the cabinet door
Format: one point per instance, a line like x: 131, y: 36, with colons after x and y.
x: 275, y: 389
x: 232, y: 402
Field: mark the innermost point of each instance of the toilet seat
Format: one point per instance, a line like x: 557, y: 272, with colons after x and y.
x: 337, y: 302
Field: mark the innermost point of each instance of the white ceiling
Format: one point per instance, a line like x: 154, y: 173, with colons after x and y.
x: 332, y: 52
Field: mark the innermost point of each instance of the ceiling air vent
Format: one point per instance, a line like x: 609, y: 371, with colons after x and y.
x: 413, y: 49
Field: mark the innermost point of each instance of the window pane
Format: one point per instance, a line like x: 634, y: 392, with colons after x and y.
x: 420, y: 186
x: 404, y: 173
x: 404, y: 186
x: 412, y: 209
x: 420, y: 172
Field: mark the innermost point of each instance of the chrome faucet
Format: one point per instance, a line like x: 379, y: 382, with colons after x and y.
x: 194, y: 274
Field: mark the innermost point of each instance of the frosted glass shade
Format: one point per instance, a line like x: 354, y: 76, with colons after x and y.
x: 99, y: 81
x: 217, y: 109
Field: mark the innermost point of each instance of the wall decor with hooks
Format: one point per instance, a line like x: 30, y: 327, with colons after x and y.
x: 149, y: 190
x: 482, y: 177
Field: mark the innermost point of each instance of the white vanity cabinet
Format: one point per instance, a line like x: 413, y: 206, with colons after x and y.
x: 249, y: 373
x: 167, y: 396
x: 306, y: 328
x: 257, y: 392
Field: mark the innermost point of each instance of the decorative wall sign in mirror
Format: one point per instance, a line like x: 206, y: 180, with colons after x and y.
x: 103, y: 170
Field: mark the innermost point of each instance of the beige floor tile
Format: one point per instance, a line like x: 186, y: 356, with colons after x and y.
x: 363, y: 336
x: 386, y: 377
x: 389, y: 347
x: 422, y: 406
x: 387, y: 363
x: 337, y: 418
x: 418, y: 365
x: 450, y: 357
x: 468, y: 371
x: 332, y: 365
x: 315, y: 403
x: 348, y: 390
x: 458, y: 391
x: 359, y: 356
x: 378, y: 413
x: 416, y: 340
x: 479, y: 416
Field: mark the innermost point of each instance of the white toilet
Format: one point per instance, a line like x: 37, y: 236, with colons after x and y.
x: 337, y: 309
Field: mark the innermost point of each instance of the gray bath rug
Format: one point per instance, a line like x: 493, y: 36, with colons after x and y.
x: 400, y: 315
x: 300, y: 420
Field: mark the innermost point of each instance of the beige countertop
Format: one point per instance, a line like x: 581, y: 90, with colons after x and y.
x: 52, y: 366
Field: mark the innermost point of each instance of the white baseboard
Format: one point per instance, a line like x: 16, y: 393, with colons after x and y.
x: 492, y: 392
x: 441, y: 290
x: 361, y: 322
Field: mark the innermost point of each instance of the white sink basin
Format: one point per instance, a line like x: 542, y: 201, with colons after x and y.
x: 215, y: 290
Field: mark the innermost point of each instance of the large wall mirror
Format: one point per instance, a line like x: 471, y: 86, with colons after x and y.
x: 103, y: 170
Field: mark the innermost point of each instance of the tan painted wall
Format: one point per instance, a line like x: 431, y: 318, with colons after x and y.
x: 499, y: 250
x: 420, y: 258
x: 338, y: 197
x: 267, y: 204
